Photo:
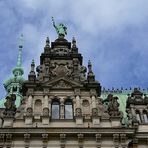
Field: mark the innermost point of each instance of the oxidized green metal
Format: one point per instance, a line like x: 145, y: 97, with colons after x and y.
x: 61, y: 29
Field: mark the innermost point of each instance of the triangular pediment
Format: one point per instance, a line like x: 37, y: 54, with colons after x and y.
x: 62, y: 82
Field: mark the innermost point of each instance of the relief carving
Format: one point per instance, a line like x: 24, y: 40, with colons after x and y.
x: 61, y: 69
x: 78, y: 112
x: 61, y: 84
x: 10, y: 107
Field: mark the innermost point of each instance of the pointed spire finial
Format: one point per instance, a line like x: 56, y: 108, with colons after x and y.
x: 32, y: 67
x: 90, y: 76
x: 73, y: 42
x: 89, y: 66
x: 47, y: 42
x: 19, y: 59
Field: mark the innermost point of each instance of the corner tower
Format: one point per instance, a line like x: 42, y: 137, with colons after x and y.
x: 14, y: 84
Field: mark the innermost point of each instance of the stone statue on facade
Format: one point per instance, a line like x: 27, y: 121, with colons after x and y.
x: 113, y: 106
x: 61, y: 29
x: 10, y: 107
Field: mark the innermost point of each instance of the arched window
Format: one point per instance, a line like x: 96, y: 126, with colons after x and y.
x: 55, y: 109
x: 145, y: 117
x: 138, y: 116
x: 68, y: 109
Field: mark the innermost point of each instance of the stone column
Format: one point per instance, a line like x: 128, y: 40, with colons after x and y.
x: 45, y: 117
x: 29, y: 104
x: 62, y: 108
x: 29, y: 111
x: 45, y: 106
x: 133, y: 110
x: 78, y: 110
x: 49, y: 106
x: 94, y: 109
x: 18, y: 89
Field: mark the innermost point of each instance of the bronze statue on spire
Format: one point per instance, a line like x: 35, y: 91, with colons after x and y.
x: 61, y: 29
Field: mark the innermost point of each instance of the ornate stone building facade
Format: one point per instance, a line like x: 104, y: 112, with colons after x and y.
x: 62, y: 106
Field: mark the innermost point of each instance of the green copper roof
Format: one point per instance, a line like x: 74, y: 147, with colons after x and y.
x: 13, y: 85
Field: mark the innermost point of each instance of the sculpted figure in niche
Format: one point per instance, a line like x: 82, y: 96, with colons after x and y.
x: 113, y: 106
x: 10, y: 107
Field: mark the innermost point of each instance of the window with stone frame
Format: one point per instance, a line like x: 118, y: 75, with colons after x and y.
x: 55, y: 113
x: 68, y: 109
x: 145, y: 116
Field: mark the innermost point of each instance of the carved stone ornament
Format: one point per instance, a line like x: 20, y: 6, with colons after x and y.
x: 94, y: 112
x: 29, y: 111
x: 45, y: 137
x: 116, y: 139
x: 78, y: 112
x: 80, y: 137
x: 8, y: 137
x: 26, y: 137
x: 46, y: 112
x: 62, y: 70
x: 61, y: 84
x: 10, y: 107
x: 113, y: 106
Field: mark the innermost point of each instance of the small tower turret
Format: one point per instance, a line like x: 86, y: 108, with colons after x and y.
x: 14, y: 84
x: 90, y: 75
x: 32, y: 75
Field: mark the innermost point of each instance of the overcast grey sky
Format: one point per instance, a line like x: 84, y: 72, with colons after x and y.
x: 113, y: 34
